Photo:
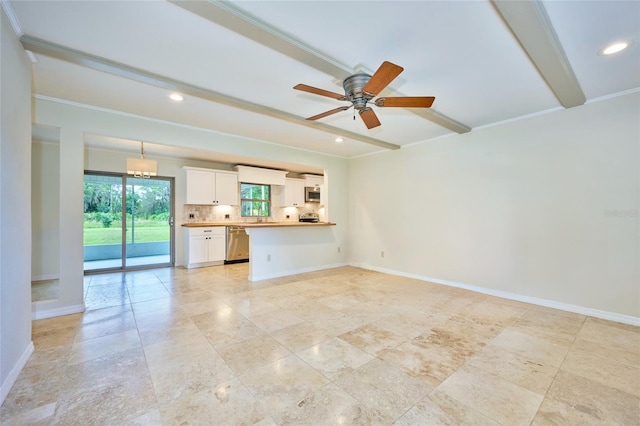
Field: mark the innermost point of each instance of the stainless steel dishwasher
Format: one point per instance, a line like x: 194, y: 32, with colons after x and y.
x: 237, y: 245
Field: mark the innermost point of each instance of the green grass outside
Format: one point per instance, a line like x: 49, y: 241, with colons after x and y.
x: 144, y: 234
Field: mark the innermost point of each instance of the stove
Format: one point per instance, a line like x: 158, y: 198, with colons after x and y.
x: 309, y: 217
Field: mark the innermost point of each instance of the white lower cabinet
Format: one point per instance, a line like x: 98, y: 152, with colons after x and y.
x: 204, y: 246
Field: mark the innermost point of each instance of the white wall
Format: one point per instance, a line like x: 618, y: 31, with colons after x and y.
x: 523, y: 208
x: 15, y: 208
x: 45, y: 216
x: 69, y: 247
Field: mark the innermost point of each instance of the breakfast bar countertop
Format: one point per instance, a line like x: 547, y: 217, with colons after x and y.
x: 257, y: 224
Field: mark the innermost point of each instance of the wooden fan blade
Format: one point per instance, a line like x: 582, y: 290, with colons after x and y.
x: 333, y: 111
x: 382, y: 77
x: 406, y: 101
x: 370, y: 118
x: 320, y: 92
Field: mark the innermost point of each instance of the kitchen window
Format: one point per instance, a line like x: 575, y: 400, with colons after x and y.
x: 255, y: 200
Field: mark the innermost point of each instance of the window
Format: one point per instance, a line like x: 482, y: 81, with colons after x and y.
x: 255, y: 200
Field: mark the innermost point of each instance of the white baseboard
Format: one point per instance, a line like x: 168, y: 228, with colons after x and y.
x: 611, y: 316
x: 45, y: 277
x: 295, y: 271
x: 15, y: 372
x: 57, y: 312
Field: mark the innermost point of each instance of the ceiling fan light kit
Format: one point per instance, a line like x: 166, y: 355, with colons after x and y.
x: 361, y: 88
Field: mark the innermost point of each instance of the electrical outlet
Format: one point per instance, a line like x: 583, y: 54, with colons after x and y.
x: 268, y: 258
x: 226, y: 216
x: 192, y: 216
x: 338, y: 249
x: 288, y: 216
x: 381, y: 254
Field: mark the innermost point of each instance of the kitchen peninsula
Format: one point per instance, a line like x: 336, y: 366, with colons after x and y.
x: 258, y: 224
x: 285, y: 248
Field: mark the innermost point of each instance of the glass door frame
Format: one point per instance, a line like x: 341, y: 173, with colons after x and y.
x: 172, y: 235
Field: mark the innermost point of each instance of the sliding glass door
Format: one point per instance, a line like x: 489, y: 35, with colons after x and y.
x: 102, y: 221
x: 128, y: 222
x: 148, y: 230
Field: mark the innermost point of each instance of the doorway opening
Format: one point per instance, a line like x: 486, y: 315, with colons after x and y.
x: 128, y: 222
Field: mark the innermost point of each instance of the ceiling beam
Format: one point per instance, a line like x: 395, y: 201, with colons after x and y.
x: 98, y: 63
x: 530, y: 24
x: 234, y: 18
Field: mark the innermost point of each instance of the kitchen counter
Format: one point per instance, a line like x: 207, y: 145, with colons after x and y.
x: 258, y: 224
x: 277, y: 249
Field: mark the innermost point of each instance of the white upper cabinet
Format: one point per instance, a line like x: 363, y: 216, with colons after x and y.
x: 226, y: 189
x: 201, y: 186
x: 313, y: 180
x: 260, y: 176
x: 211, y: 187
x: 292, y: 194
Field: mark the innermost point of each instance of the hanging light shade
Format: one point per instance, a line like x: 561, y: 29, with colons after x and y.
x: 139, y: 167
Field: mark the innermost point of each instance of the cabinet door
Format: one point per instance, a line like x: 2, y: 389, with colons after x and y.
x: 286, y: 200
x: 298, y: 193
x: 200, y: 187
x: 198, y: 249
x: 227, y: 189
x: 315, y: 181
x: 216, y: 247
x: 293, y: 194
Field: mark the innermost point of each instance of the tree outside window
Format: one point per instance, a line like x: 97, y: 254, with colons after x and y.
x: 255, y: 200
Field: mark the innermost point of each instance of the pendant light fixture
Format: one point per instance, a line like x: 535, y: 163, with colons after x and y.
x: 141, y: 168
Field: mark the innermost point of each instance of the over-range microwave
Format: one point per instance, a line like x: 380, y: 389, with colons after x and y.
x: 311, y: 194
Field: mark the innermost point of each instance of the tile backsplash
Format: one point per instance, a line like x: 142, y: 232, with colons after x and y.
x: 217, y: 214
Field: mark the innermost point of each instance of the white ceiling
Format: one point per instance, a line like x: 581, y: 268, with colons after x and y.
x: 461, y: 52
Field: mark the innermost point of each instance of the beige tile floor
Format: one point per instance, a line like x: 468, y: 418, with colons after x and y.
x: 343, y: 346
x: 44, y: 290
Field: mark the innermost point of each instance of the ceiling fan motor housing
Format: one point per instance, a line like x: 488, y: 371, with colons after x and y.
x: 353, y: 90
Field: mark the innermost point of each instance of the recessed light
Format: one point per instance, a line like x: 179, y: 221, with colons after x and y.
x: 339, y: 139
x: 176, y: 97
x: 613, y: 48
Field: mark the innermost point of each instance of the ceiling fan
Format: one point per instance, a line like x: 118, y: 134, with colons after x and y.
x: 361, y: 88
